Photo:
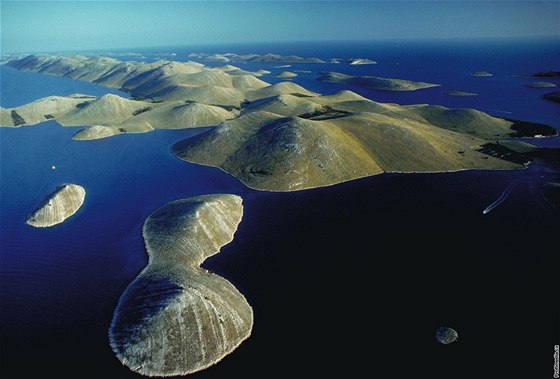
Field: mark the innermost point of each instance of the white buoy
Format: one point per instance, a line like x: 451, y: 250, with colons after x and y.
x: 53, y: 167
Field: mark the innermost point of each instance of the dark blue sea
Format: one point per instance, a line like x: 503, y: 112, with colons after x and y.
x: 379, y: 262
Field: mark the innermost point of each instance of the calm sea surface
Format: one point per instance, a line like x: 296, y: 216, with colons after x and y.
x: 385, y: 259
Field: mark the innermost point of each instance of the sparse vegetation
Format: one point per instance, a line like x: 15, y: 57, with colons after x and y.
x: 547, y: 156
x: 324, y: 112
x: 255, y: 172
x: 228, y: 108
x: 17, y: 119
x: 530, y: 129
x: 137, y: 112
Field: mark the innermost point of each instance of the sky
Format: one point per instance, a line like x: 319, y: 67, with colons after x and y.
x: 45, y: 26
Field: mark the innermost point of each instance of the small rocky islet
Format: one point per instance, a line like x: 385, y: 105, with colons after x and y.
x: 446, y: 335
x: 65, y: 201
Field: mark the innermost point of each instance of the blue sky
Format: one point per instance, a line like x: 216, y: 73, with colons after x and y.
x: 42, y: 26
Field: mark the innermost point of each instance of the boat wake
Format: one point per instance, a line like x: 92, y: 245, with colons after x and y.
x: 537, y: 183
x: 503, y: 196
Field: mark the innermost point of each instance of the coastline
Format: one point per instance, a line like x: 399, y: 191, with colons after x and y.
x: 307, y: 189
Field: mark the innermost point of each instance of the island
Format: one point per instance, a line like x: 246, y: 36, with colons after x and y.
x: 461, y: 93
x: 545, y: 74
x: 217, y: 58
x: 290, y: 143
x: 176, y: 318
x: 65, y: 201
x: 286, y: 74
x: 360, y: 61
x: 109, y: 115
x: 482, y: 73
x: 540, y: 85
x: 552, y: 96
x: 373, y: 82
x: 446, y: 335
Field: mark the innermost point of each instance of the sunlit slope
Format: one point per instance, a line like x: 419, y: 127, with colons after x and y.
x: 176, y: 318
x: 103, y: 110
x: 162, y: 80
x: 42, y: 110
x: 287, y: 143
x: 110, y: 114
x: 65, y: 201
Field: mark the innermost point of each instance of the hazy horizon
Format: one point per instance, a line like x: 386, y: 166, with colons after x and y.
x: 45, y: 26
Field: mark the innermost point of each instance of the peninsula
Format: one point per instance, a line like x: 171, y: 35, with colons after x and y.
x: 58, y: 206
x: 176, y: 318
